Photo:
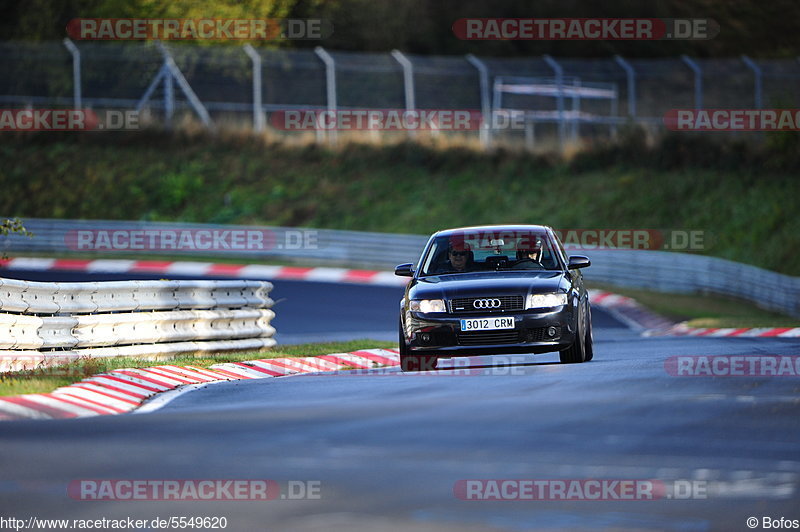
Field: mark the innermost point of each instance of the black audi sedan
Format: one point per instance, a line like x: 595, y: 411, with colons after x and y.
x: 494, y: 290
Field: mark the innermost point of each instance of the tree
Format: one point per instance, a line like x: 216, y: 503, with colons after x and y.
x: 13, y: 225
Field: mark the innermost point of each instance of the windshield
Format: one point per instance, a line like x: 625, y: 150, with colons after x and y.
x: 470, y: 251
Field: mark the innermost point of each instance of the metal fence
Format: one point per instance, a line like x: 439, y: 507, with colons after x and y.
x: 657, y: 270
x: 243, y: 84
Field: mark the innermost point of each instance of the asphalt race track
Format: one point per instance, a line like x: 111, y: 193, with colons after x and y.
x: 388, y: 448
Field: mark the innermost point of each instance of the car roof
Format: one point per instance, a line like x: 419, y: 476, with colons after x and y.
x: 493, y: 228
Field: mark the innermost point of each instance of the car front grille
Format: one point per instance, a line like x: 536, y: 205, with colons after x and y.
x: 464, y: 305
x: 538, y: 334
x: 488, y: 337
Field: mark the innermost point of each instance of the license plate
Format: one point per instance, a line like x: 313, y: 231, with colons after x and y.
x: 487, y: 324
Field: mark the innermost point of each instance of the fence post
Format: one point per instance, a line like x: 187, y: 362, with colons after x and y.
x: 172, y: 72
x: 559, y: 73
x: 698, y: 80
x: 530, y: 134
x: 497, y: 94
x: 630, y: 74
x: 576, y: 110
x: 258, y: 111
x: 330, y: 85
x: 757, y: 73
x: 615, y: 111
x: 76, y: 72
x: 169, y: 100
x: 486, y: 109
x: 408, y: 84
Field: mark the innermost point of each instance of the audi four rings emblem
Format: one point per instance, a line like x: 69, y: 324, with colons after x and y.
x: 486, y: 303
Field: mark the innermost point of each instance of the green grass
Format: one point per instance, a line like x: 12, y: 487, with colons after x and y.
x: 745, y: 199
x: 44, y: 380
x: 701, y: 310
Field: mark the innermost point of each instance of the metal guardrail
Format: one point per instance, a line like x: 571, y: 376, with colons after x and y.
x: 310, y: 246
x: 665, y: 271
x: 119, y: 296
x: 48, y: 323
x: 657, y: 270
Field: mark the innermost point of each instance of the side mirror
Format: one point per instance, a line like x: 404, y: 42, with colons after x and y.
x: 578, y: 261
x: 404, y: 270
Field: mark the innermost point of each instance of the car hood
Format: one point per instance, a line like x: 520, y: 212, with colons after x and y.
x: 488, y: 284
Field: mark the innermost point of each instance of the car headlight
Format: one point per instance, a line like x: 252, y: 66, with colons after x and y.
x: 545, y: 300
x: 427, y: 305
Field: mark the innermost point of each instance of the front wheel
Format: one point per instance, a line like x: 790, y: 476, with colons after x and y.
x: 409, y: 362
x: 589, y: 338
x: 576, y: 353
x: 403, y: 345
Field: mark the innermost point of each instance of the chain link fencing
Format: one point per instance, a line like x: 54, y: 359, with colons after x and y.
x: 555, y: 99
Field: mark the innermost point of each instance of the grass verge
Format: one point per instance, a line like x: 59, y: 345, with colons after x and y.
x: 743, y: 201
x: 45, y: 380
x: 701, y: 310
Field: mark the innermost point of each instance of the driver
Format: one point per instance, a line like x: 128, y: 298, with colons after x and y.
x: 529, y: 250
x: 459, y: 255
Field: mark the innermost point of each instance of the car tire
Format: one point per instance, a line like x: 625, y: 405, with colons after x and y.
x: 589, y: 342
x: 416, y: 362
x: 576, y: 353
x: 403, y: 345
